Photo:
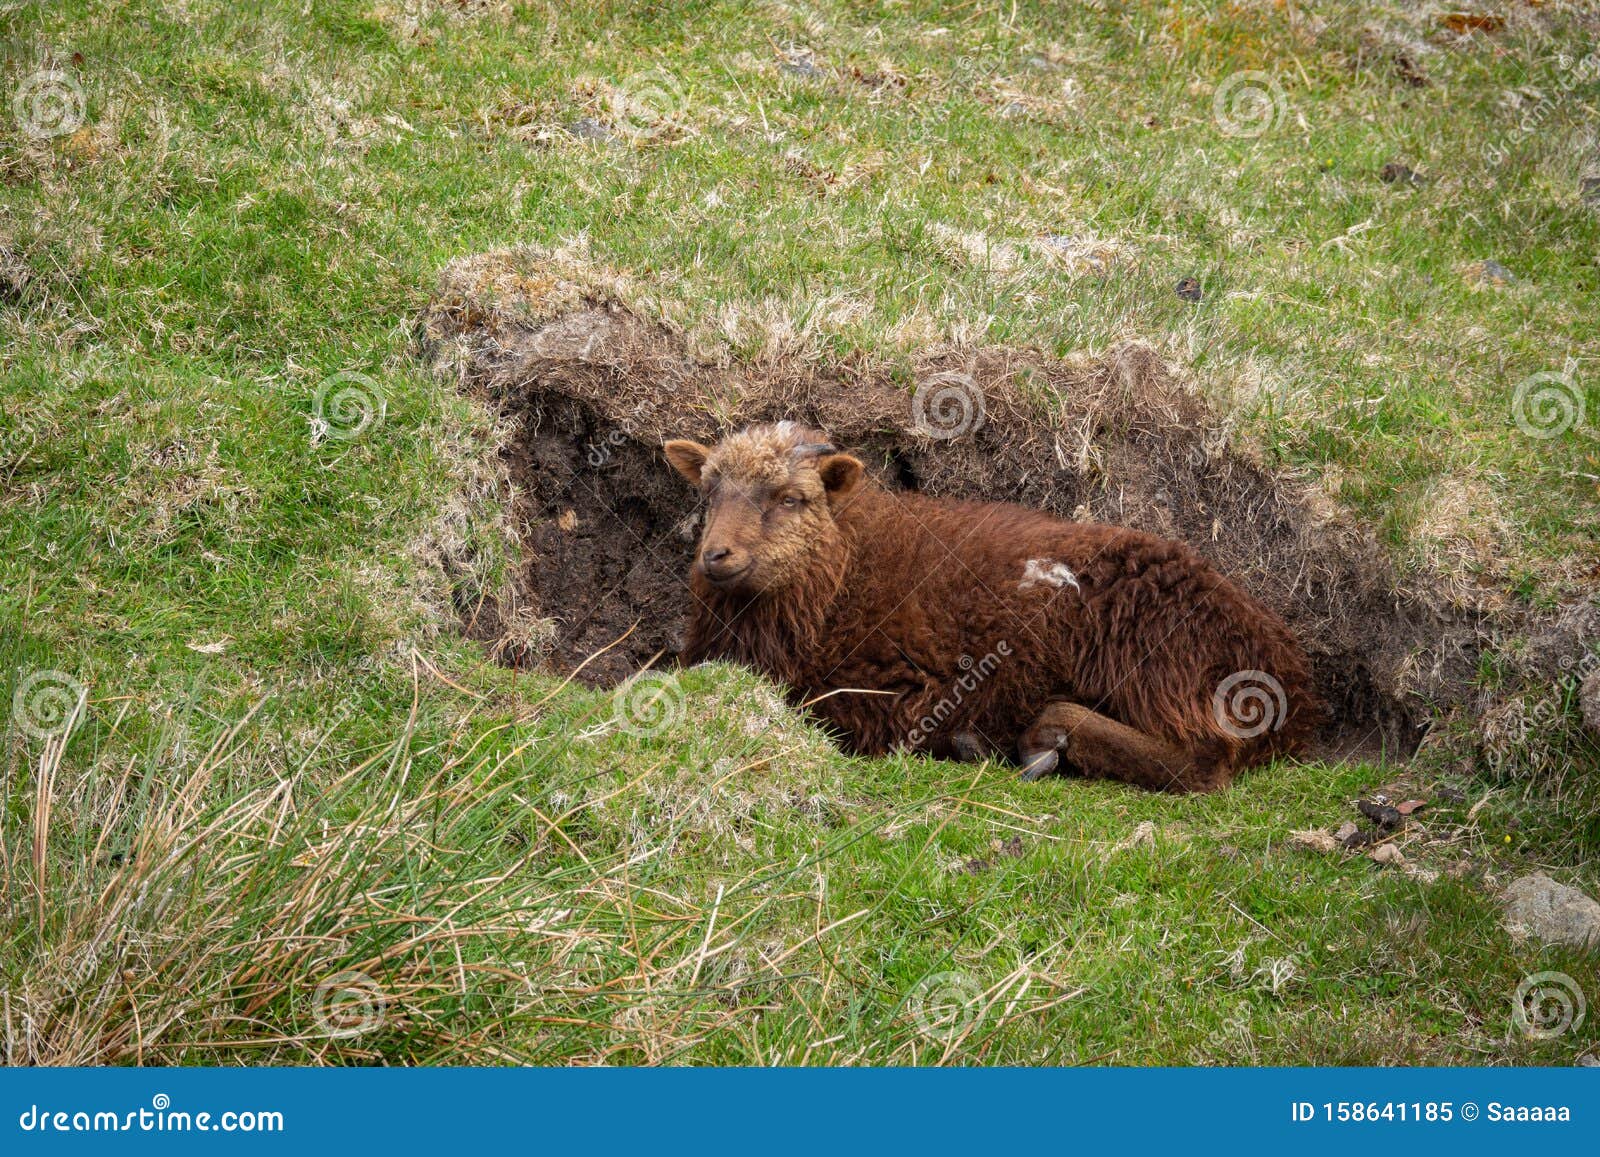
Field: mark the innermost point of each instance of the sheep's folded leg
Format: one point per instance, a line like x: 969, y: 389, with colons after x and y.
x: 966, y: 747
x: 1102, y: 748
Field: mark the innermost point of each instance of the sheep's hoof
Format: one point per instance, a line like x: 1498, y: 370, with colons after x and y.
x: 1039, y: 765
x: 965, y: 746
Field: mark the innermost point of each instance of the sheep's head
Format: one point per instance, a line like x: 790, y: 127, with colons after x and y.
x: 772, y: 492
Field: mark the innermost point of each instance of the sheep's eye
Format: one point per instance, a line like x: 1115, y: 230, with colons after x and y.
x: 790, y: 501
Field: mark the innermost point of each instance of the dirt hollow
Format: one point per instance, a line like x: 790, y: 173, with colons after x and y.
x: 609, y: 529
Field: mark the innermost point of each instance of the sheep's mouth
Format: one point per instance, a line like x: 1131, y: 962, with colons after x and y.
x: 730, y: 581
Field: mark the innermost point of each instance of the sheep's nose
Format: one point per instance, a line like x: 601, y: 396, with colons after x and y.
x: 721, y: 563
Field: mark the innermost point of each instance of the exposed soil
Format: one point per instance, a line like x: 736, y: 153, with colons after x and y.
x: 610, y: 535
x: 610, y: 529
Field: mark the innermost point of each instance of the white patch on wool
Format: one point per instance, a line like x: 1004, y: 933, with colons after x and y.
x: 1049, y: 572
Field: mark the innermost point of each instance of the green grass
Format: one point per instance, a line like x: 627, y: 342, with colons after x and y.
x: 260, y: 199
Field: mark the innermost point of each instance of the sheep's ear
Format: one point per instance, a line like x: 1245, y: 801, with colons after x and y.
x: 840, y: 474
x: 687, y: 458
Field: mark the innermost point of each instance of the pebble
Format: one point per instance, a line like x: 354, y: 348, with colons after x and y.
x: 588, y: 129
x: 801, y: 63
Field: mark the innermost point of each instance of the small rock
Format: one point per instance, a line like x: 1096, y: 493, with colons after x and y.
x: 1189, y: 289
x: 1410, y: 805
x: 1387, y: 854
x: 1588, y: 1061
x: 588, y: 129
x: 1589, y: 190
x: 1346, y: 830
x: 1553, y: 913
x: 1589, y: 701
x: 1489, y: 272
x: 1498, y: 273
x: 1381, y: 814
x: 1316, y: 840
x: 801, y: 62
x: 1394, y: 173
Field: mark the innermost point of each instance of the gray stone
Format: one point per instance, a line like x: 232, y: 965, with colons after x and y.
x: 1387, y: 854
x: 1537, y: 906
x: 800, y: 62
x: 588, y: 129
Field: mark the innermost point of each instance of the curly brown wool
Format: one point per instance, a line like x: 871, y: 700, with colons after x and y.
x: 965, y: 629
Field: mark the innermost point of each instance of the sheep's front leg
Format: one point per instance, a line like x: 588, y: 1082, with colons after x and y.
x: 1102, y: 748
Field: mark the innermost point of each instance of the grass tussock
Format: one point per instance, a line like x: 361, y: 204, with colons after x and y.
x: 551, y: 887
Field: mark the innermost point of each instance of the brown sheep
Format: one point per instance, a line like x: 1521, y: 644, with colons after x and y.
x: 968, y: 628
